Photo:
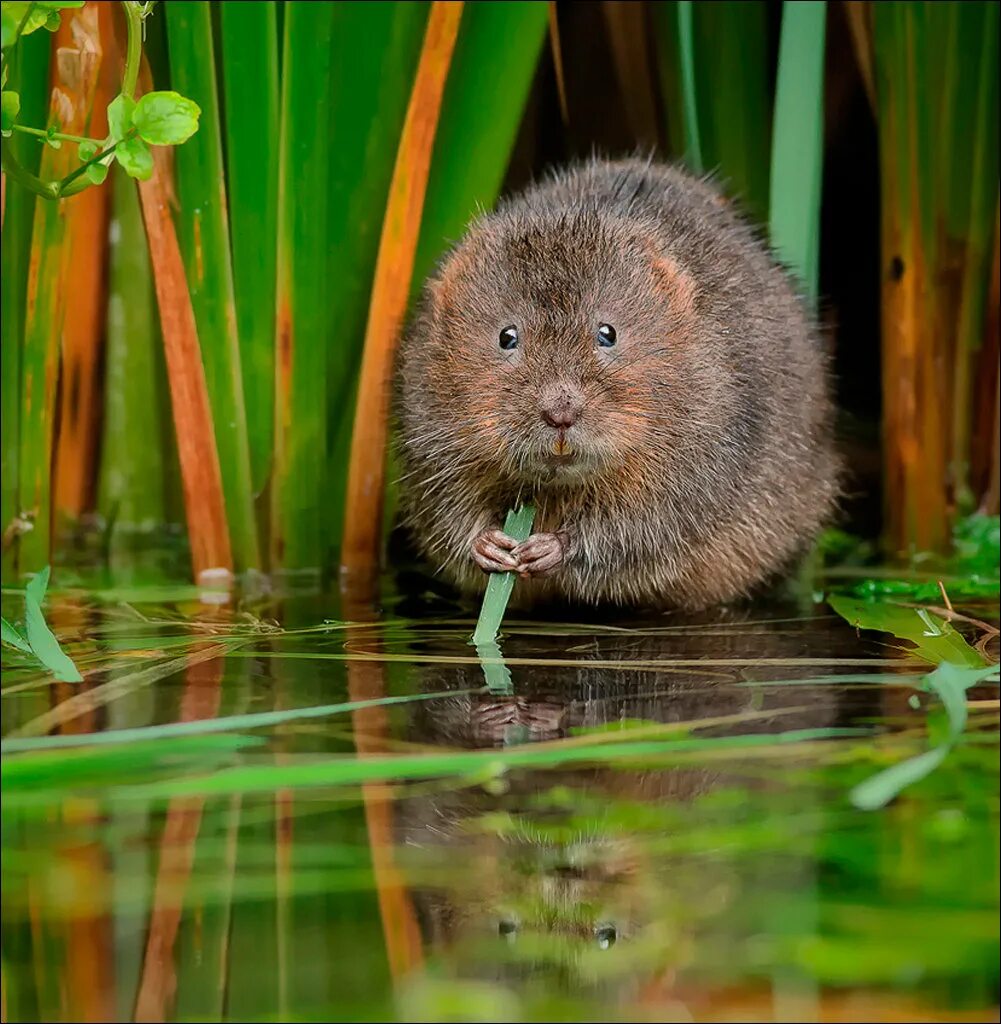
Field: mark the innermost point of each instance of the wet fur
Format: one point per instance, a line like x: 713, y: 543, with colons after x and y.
x: 707, y: 460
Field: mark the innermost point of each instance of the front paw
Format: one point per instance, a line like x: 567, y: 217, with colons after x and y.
x: 490, y: 550
x: 541, y: 554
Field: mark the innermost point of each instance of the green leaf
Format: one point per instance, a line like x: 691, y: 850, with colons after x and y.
x: 10, y: 104
x: 934, y: 638
x: 518, y: 525
x: 10, y: 636
x: 121, y: 111
x: 44, y: 645
x: 86, y: 151
x: 166, y: 118
x: 135, y: 157
x: 14, y: 12
x: 950, y: 683
x: 98, y: 172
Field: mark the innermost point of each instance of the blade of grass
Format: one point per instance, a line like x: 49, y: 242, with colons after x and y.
x: 798, y: 142
x: 74, y: 83
x: 250, y: 79
x: 378, y: 47
x: 627, y: 31
x: 28, y: 73
x: 203, y: 235
x: 390, y: 293
x: 43, y: 643
x: 518, y: 526
x: 479, y: 763
x: 298, y: 483
x: 949, y: 684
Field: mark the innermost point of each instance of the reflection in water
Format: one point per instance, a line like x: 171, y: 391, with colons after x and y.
x: 574, y: 889
x: 733, y: 882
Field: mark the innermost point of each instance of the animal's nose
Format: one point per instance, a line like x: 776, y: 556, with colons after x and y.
x: 559, y: 417
x: 560, y: 407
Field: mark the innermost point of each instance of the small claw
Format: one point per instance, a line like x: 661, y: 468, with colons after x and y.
x: 489, y: 554
x: 540, y: 554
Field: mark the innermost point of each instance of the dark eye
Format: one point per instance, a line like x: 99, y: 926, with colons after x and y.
x: 507, y: 929
x: 606, y: 936
x: 509, y: 338
x: 606, y: 335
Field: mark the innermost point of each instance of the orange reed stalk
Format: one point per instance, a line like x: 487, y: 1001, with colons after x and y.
x: 391, y: 287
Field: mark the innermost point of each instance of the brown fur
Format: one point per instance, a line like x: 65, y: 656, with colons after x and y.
x: 704, y: 452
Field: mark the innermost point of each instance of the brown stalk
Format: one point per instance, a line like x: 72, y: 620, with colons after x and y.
x: 859, y: 19
x: 74, y: 80
x: 401, y: 933
x: 629, y: 37
x: 83, y: 325
x: 158, y: 981
x: 556, y: 47
x: 390, y: 290
x: 201, y: 478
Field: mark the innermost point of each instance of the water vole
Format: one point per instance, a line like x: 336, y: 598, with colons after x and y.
x: 617, y: 346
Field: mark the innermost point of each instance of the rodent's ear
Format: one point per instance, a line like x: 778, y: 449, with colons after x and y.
x: 674, y: 282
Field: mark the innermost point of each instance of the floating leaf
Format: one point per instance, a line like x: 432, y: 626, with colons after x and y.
x: 97, y: 172
x: 43, y: 643
x: 136, y: 159
x: 166, y: 118
x: 11, y: 637
x: 934, y: 638
x: 121, y: 111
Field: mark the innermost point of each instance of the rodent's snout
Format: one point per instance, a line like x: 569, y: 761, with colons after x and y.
x: 561, y: 407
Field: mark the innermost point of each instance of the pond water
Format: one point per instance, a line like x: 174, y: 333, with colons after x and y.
x: 642, y: 818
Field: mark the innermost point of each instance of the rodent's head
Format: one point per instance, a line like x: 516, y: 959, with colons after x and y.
x: 553, y: 339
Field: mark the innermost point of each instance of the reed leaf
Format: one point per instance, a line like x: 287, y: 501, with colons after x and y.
x: 378, y: 46
x: 203, y: 235
x: 249, y: 33
x: 133, y: 476
x: 390, y: 292
x: 518, y: 526
x: 298, y: 486
x: 49, y: 272
x: 198, y: 456
x: 28, y: 72
x: 798, y: 142
x: 479, y: 119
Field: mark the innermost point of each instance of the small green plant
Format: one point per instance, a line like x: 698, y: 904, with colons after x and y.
x: 157, y: 119
x: 517, y: 525
x: 40, y: 640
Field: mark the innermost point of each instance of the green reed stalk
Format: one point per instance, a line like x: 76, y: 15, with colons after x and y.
x: 203, y: 234
x: 480, y: 115
x: 29, y: 75
x: 378, y: 46
x: 713, y: 66
x: 250, y: 79
x: 798, y: 142
x: 298, y: 513
x: 133, y: 483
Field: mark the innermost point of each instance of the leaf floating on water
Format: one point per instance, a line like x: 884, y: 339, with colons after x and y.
x: 43, y: 643
x: 518, y: 525
x: 934, y: 639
